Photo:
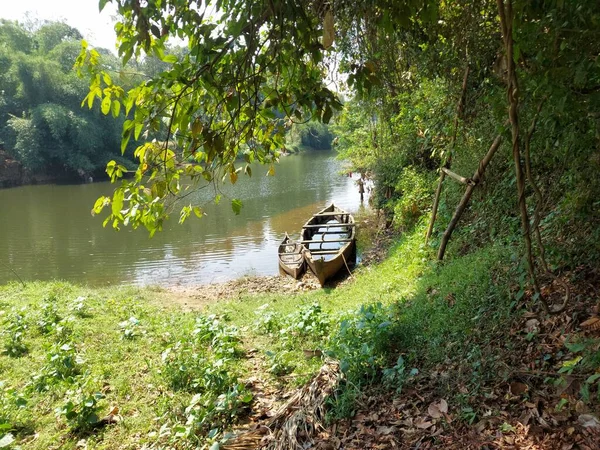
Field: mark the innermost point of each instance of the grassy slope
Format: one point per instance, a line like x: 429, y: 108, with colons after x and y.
x: 429, y: 313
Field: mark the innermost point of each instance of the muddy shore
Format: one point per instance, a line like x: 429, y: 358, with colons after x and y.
x: 377, y: 243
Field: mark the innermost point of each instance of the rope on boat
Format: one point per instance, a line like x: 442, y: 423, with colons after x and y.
x: 346, y: 264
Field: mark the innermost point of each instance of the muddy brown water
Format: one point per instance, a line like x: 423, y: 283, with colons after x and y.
x: 47, y: 232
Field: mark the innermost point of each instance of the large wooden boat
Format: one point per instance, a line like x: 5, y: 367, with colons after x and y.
x: 291, y: 259
x: 329, y: 238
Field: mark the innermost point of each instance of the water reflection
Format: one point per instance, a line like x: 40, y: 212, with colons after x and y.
x: 47, y: 231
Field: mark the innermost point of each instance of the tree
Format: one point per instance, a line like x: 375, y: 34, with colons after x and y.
x: 247, y: 64
x: 42, y: 123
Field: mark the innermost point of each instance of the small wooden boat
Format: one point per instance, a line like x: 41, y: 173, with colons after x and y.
x: 291, y: 259
x: 329, y: 238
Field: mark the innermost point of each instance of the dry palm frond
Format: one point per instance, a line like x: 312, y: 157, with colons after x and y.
x: 593, y: 323
x: 295, y: 423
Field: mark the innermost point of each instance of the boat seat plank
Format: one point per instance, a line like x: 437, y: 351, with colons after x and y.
x: 331, y: 225
x: 317, y: 241
x: 317, y: 233
x: 328, y: 214
x: 324, y: 252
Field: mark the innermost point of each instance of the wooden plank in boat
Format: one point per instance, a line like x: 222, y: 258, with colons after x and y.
x: 316, y: 241
x: 327, y: 214
x: 324, y: 252
x: 330, y: 225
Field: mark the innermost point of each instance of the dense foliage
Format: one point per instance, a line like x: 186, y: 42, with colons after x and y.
x: 42, y: 124
x: 414, y: 117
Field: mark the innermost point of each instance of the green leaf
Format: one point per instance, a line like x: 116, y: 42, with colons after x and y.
x: 592, y: 378
x: 117, y: 202
x: 236, y: 205
x: 576, y: 347
x: 105, y: 106
x: 171, y: 59
x: 116, y: 108
x: 138, y: 130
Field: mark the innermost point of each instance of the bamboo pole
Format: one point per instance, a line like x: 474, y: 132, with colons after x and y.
x: 456, y: 176
x: 438, y: 191
x: 467, y: 195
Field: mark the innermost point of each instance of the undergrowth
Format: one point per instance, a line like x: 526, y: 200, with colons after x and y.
x: 72, y: 356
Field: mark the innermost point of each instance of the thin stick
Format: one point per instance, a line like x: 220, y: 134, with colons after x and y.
x: 467, y: 195
x: 459, y: 110
x: 13, y: 271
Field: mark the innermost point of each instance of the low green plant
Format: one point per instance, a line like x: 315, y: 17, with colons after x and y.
x: 280, y: 363
x: 80, y: 307
x: 583, y: 356
x: 187, y: 368
x: 11, y: 406
x: 130, y: 328
x: 48, y: 317
x: 81, y: 408
x: 268, y: 322
x: 397, y: 375
x: 222, y: 339
x: 14, y: 331
x: 362, y: 342
x: 308, y: 322
x: 63, y: 363
x: 414, y: 187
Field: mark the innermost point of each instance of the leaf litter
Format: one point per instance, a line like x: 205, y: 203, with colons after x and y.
x: 521, y: 407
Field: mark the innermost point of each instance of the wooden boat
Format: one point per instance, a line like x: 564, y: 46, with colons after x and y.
x: 329, y: 238
x: 291, y: 260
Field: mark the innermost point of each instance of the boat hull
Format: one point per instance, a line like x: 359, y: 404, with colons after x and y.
x: 343, y: 257
x: 291, y: 258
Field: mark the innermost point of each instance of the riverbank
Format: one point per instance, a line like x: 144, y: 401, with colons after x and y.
x: 448, y: 356
x: 13, y: 174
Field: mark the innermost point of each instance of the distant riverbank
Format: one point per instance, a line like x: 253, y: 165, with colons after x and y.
x: 13, y: 174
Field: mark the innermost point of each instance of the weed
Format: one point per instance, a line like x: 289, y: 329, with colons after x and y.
x: 342, y: 403
x: 63, y: 363
x: 222, y: 339
x: 362, y: 342
x: 396, y: 376
x: 308, y: 322
x: 280, y: 363
x: 130, y: 328
x: 81, y: 407
x: 80, y: 307
x: 468, y: 414
x: 11, y: 405
x: 189, y: 369
x: 268, y: 322
x: 48, y: 318
x: 14, y: 331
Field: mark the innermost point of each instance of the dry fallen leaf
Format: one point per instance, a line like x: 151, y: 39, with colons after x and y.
x: 422, y: 423
x: 532, y: 325
x: 437, y: 410
x: 385, y: 430
x: 517, y: 388
x: 589, y: 421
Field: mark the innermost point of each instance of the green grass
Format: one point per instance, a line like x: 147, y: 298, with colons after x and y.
x: 119, y: 342
x: 176, y: 380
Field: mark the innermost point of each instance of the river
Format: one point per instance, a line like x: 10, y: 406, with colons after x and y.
x: 47, y: 231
